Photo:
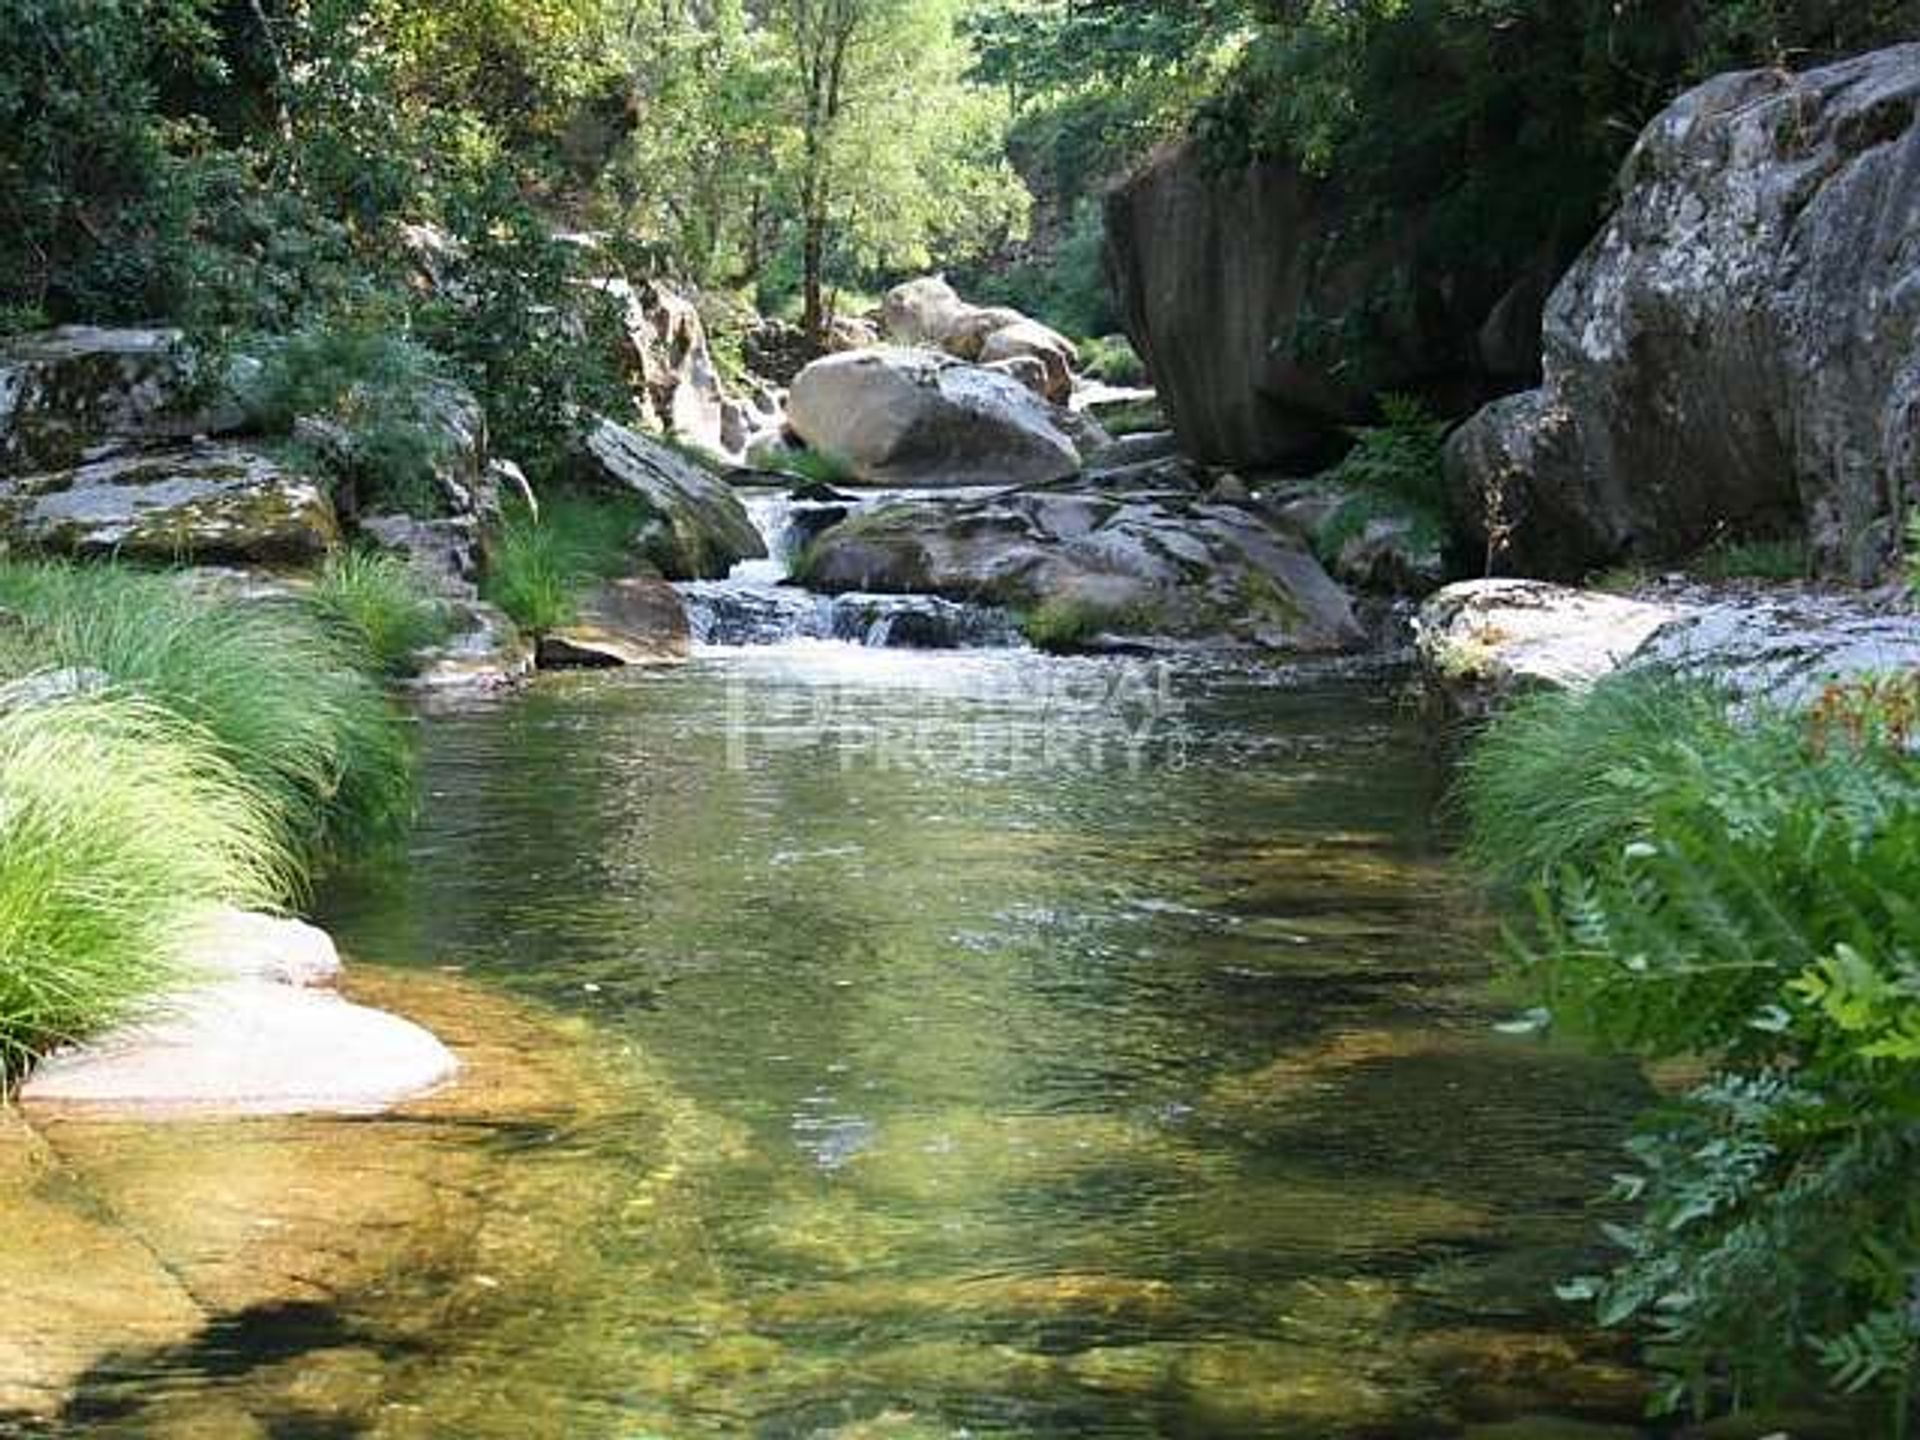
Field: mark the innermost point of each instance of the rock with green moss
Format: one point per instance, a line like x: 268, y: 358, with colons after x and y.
x: 75, y: 393
x: 1146, y: 558
x: 700, y: 529
x: 207, y: 501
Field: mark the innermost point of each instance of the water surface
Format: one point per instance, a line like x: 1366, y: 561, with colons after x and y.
x: 1045, y: 1048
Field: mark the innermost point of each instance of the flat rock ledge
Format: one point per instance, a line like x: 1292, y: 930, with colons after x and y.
x: 259, y: 1031
x: 1482, y: 642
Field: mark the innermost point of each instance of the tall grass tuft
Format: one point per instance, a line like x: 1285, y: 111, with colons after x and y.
x: 379, y: 604
x: 1568, y: 777
x: 283, y: 699
x: 122, y: 823
x: 540, y: 566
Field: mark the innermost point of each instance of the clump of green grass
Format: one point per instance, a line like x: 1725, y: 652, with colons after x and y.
x: 1112, y: 360
x: 1066, y: 624
x: 539, y: 566
x: 1567, y: 778
x: 1753, y: 560
x: 123, y: 823
x: 380, y: 604
x: 284, y: 700
x: 816, y: 467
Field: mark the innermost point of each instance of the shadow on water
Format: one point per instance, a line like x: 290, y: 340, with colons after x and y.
x: 997, y: 1085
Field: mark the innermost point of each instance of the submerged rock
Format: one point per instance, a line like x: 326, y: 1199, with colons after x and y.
x: 256, y: 1036
x: 1737, y: 347
x: 1143, y: 556
x: 911, y: 417
x: 625, y: 622
x: 211, y: 500
x: 700, y: 531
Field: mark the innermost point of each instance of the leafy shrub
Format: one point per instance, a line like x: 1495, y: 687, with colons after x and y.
x: 281, y: 698
x: 377, y: 389
x: 540, y: 565
x: 1738, y: 888
x: 122, y: 824
x: 1066, y: 624
x: 521, y: 322
x: 380, y: 604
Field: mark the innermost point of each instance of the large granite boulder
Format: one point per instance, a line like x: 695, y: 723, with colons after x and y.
x: 207, y: 501
x: 1272, y: 310
x: 929, y: 313
x: 699, y: 530
x: 74, y: 393
x: 1740, y: 347
x: 1144, y: 556
x: 914, y: 417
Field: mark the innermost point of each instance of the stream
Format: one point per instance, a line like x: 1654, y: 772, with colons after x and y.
x: 983, y: 1044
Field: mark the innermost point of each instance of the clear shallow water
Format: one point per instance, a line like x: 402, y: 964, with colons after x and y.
x: 1020, y: 1047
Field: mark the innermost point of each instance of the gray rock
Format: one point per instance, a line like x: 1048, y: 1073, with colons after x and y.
x: 668, y: 354
x: 1739, y: 347
x: 1483, y: 641
x: 258, y: 1035
x: 912, y: 417
x: 485, y: 652
x: 701, y: 529
x: 211, y: 500
x: 1148, y: 446
x: 1238, y: 290
x: 444, y: 553
x: 1144, y: 560
x: 76, y: 393
x: 627, y: 622
x: 928, y: 313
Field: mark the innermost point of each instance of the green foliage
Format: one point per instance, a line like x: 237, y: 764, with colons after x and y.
x: 281, y: 698
x: 377, y: 392
x: 96, y: 221
x: 1112, y: 360
x: 815, y: 467
x: 123, y: 825
x: 1392, y: 471
x: 540, y: 565
x: 1738, y: 887
x: 1753, y: 560
x: 1065, y: 286
x: 381, y: 606
x: 1067, y: 624
x: 518, y: 319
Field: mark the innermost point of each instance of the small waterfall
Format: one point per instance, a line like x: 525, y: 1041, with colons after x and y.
x: 755, y: 604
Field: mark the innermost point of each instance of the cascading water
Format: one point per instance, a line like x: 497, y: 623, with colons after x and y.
x: 757, y: 604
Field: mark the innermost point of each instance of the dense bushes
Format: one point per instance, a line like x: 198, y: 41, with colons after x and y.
x: 1738, y: 887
